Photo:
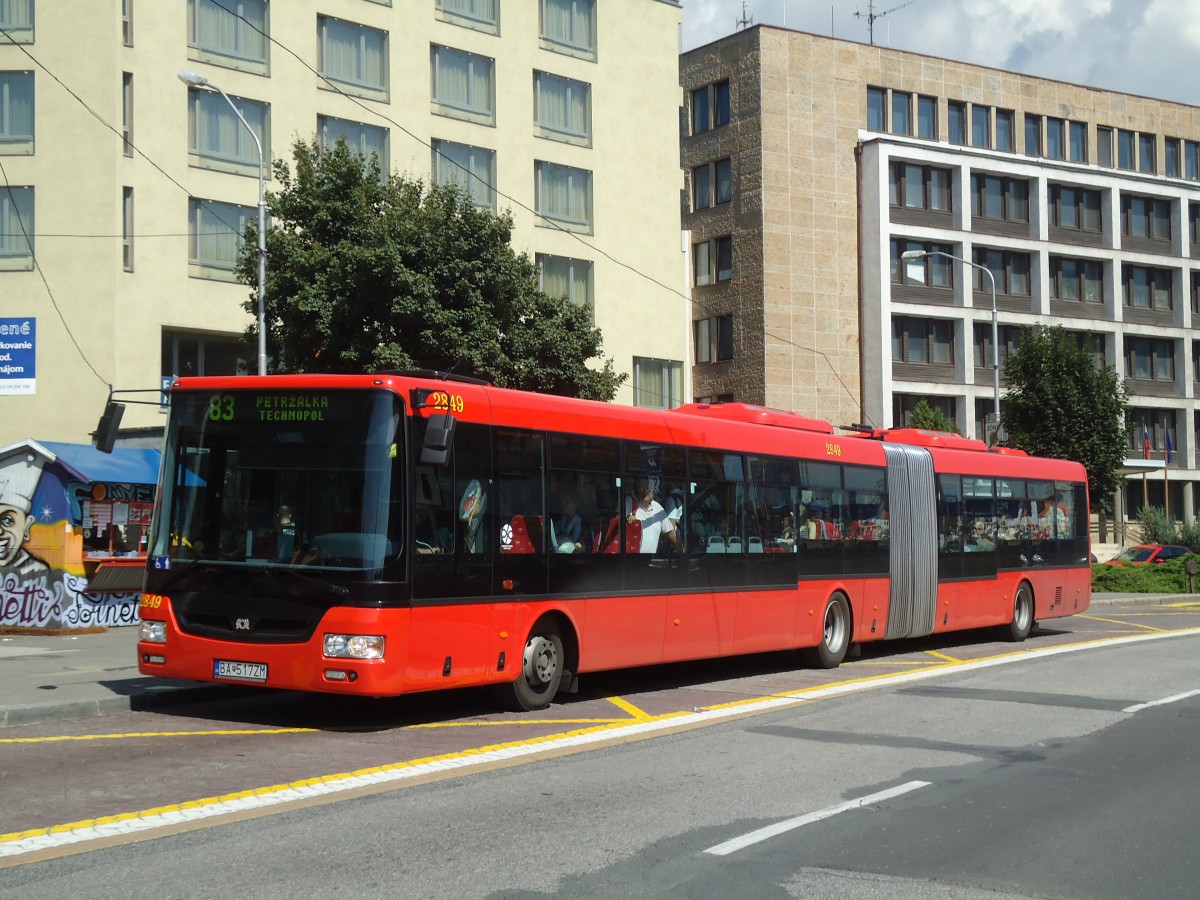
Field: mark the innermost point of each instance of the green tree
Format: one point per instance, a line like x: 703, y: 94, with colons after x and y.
x: 366, y: 273
x: 931, y: 418
x: 1060, y: 403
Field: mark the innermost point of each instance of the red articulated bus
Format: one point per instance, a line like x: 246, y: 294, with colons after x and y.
x: 390, y: 533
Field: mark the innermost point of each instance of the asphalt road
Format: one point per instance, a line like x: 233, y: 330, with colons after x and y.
x: 1040, y: 775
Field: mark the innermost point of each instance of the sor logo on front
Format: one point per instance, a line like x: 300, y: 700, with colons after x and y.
x: 241, y: 624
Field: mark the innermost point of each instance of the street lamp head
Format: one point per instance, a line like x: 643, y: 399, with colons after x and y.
x: 914, y: 254
x: 192, y: 79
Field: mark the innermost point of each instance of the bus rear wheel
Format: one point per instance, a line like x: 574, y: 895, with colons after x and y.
x: 541, y: 671
x: 835, y: 636
x: 1022, y: 620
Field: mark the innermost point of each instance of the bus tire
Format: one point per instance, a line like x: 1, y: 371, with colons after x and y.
x: 1022, y: 620
x: 835, y: 636
x: 542, y: 663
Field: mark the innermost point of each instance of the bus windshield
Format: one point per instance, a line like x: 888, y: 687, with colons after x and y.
x: 281, y: 478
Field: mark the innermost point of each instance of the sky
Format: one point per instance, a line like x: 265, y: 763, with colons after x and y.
x: 1146, y: 47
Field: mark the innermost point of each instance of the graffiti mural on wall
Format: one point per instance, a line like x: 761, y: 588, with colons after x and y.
x: 42, y: 579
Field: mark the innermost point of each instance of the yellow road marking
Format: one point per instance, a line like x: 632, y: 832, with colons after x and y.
x: 1121, y: 622
x: 130, y: 735
x: 943, y: 656
x: 639, y: 714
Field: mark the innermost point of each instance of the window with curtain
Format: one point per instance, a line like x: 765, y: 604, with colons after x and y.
x: 16, y: 112
x: 215, y: 234
x: 16, y: 227
x: 712, y: 260
x: 127, y: 228
x: 186, y: 353
x: 1009, y: 268
x: 1079, y: 280
x: 918, y: 187
x: 567, y: 278
x: 562, y: 107
x: 1078, y: 143
x: 569, y: 26
x: 1074, y: 207
x: 563, y: 194
x: 475, y: 12
x: 471, y: 168
x: 876, y: 109
x: 215, y: 135
x: 363, y: 139
x: 712, y: 184
x: 1147, y: 153
x: 231, y: 28
x: 463, y: 84
x: 1147, y: 288
x: 353, y: 55
x: 127, y: 112
x: 657, y: 383
x: 901, y: 112
x: 1006, y: 130
x: 1033, y: 135
x: 713, y: 339
x: 927, y: 117
x: 16, y: 18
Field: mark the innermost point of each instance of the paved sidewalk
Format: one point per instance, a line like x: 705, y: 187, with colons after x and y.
x: 46, y: 678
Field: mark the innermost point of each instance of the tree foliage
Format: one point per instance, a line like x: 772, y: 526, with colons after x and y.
x: 1059, y: 403
x: 366, y: 273
x: 931, y: 418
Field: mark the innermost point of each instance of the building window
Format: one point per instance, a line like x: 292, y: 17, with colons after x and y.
x: 16, y: 113
x: 1077, y: 142
x: 463, y: 85
x: 1146, y: 217
x: 1009, y: 269
x: 1125, y: 149
x: 215, y: 234
x: 710, y: 107
x: 562, y: 108
x: 1092, y: 343
x: 904, y: 404
x: 16, y: 18
x: 919, y: 187
x: 185, y: 354
x: 127, y: 228
x: 1104, y: 146
x: 1009, y: 337
x: 712, y: 184
x: 1150, y: 359
x: 901, y: 113
x: 471, y: 168
x: 218, y: 140
x: 1191, y: 160
x: 365, y: 140
x: 1147, y: 153
x: 127, y: 22
x: 1055, y: 138
x: 657, y: 383
x: 923, y: 342
x: 1077, y: 280
x: 563, y: 194
x: 127, y: 112
x: 1171, y: 153
x: 876, y: 109
x: 230, y: 33
x: 1146, y: 288
x: 1006, y: 130
x: 712, y: 261
x: 1196, y: 302
x: 566, y: 278
x: 957, y: 121
x: 1033, y: 135
x: 353, y: 55
x: 1074, y: 207
x: 931, y: 271
x: 927, y: 123
x: 1001, y: 199
x: 714, y: 339
x: 569, y: 26
x: 981, y: 126
x: 483, y: 15
x: 16, y: 228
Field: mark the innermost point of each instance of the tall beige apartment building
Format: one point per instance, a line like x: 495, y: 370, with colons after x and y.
x: 123, y: 191
x: 814, y: 164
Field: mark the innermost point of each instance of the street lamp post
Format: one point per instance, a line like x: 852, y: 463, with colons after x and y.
x: 920, y: 254
x: 196, y: 80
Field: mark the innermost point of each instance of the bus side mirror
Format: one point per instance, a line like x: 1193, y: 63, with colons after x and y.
x: 439, y: 438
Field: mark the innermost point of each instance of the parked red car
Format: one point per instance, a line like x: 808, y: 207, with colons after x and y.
x: 1148, y: 553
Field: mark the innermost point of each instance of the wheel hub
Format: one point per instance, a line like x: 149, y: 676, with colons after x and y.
x: 540, y: 661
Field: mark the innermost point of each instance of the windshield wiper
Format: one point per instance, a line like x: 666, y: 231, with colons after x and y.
x: 340, y: 590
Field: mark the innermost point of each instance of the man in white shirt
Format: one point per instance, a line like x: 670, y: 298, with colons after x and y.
x: 654, y: 519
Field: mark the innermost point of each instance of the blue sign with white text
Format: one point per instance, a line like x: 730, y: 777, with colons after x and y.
x: 18, y: 356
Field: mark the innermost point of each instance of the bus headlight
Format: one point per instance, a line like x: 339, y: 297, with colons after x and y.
x: 354, y: 646
x: 153, y: 632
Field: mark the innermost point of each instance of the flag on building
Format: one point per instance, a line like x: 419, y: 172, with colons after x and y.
x: 1145, y: 441
x: 1170, y: 446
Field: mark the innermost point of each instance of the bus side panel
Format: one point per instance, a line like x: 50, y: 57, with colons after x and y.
x: 619, y: 632
x: 948, y: 614
x: 869, y: 609
x: 699, y: 626
x: 765, y: 621
x: 449, y: 646
x: 1060, y: 592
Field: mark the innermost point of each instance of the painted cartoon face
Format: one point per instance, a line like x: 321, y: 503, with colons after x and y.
x: 15, y: 526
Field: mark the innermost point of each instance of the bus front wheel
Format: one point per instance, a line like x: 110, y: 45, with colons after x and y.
x: 541, y: 671
x: 835, y: 636
x: 1022, y: 620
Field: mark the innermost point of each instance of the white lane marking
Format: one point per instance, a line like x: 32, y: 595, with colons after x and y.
x: 1138, y: 707
x: 145, y: 821
x: 754, y: 837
